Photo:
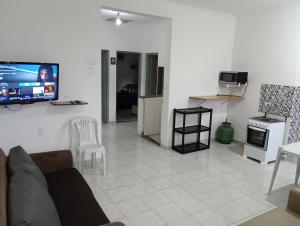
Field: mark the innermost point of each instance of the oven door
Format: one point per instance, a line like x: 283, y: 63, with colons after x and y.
x: 258, y: 137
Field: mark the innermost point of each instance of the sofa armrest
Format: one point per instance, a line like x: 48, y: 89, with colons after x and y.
x: 294, y: 200
x: 50, y: 162
x: 114, y: 224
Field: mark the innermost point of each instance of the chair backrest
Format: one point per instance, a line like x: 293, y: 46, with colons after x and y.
x: 84, y: 131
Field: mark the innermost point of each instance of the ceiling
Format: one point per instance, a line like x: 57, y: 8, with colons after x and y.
x: 108, y: 14
x: 236, y: 6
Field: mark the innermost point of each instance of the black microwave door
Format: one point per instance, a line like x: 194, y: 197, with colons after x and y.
x: 257, y: 137
x: 227, y: 77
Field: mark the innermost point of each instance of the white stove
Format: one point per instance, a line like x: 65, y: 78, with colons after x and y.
x: 264, y: 136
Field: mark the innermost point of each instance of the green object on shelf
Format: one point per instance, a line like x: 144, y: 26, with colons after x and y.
x: 225, y: 133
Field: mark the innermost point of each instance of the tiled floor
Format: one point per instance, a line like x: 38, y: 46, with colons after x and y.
x: 147, y: 185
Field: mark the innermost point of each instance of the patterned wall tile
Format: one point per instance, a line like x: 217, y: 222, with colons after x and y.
x: 277, y: 99
x: 282, y: 101
x: 294, y: 132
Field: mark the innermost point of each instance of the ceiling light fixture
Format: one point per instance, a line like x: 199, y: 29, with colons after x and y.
x: 118, y: 20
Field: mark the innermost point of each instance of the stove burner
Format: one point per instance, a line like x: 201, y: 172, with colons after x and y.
x: 268, y: 120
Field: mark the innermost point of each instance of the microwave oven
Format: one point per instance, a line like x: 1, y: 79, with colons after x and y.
x: 233, y: 78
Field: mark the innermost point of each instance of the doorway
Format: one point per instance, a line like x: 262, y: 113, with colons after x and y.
x: 128, y: 70
x: 105, y: 84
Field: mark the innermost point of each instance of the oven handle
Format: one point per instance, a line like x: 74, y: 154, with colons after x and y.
x: 258, y: 129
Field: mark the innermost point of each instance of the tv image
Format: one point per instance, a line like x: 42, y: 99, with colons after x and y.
x: 24, y: 83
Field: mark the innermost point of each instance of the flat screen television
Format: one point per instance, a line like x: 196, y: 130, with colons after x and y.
x: 26, y: 83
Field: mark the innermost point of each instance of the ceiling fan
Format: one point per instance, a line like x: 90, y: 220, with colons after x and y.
x: 118, y: 20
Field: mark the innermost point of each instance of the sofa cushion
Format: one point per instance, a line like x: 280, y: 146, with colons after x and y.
x: 3, y: 188
x: 74, y: 200
x: 29, y: 203
x: 20, y: 161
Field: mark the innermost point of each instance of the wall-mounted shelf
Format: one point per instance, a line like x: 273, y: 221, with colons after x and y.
x: 68, y: 103
x: 198, y: 145
x: 226, y: 98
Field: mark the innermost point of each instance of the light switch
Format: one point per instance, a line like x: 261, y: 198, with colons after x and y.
x: 40, y: 131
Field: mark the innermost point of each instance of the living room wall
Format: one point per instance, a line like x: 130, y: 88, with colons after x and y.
x: 70, y: 32
x: 64, y: 31
x: 267, y: 46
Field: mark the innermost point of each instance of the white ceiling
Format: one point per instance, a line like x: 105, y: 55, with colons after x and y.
x: 236, y: 6
x: 132, y: 17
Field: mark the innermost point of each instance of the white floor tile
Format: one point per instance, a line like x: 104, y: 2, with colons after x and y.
x: 233, y: 212
x: 191, y: 205
x: 148, y: 218
x: 141, y: 188
x: 132, y: 179
x: 121, y: 193
x: 175, y: 193
x: 110, y: 183
x: 188, y: 221
x: 229, y: 193
x: 132, y: 206
x: 120, y: 171
x: 211, y: 218
x: 251, y: 205
x: 170, y: 212
x: 195, y: 187
x: 211, y: 198
x: 160, y: 183
x: 155, y: 199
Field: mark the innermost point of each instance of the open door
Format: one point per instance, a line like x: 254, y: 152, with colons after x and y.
x: 127, y: 83
x: 104, y: 84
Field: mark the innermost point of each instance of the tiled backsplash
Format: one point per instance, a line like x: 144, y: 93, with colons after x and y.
x: 282, y: 101
x: 277, y: 99
x: 294, y: 132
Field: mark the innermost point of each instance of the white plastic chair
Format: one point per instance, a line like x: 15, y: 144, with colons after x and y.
x: 85, y: 140
x: 292, y: 150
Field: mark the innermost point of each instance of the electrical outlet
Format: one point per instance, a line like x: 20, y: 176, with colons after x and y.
x: 40, y: 131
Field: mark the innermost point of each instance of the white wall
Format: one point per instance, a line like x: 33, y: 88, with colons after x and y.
x: 66, y: 32
x: 135, y: 37
x: 71, y: 33
x: 267, y: 46
x: 201, y: 47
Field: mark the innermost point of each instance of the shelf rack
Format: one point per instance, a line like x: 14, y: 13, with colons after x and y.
x: 194, y: 129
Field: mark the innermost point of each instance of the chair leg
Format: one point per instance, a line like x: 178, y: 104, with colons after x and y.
x: 275, y: 170
x: 82, y: 162
x: 297, y: 171
x: 104, y: 162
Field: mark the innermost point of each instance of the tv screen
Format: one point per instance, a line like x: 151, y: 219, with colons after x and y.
x: 23, y: 83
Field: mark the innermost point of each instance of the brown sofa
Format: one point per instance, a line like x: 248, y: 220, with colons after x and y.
x: 73, y: 198
x: 281, y: 216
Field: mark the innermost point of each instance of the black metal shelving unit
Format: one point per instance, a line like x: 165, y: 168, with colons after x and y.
x: 194, y: 129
